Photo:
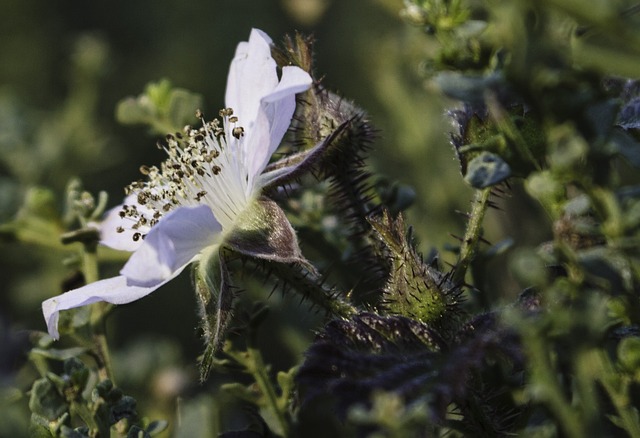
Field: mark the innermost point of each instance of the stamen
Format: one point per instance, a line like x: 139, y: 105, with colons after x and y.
x: 238, y: 132
x: 202, y: 166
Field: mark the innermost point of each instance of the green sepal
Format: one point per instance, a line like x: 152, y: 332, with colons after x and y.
x: 216, y: 300
x: 263, y: 231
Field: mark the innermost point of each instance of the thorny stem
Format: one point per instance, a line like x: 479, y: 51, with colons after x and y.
x: 472, y: 234
x: 310, y: 284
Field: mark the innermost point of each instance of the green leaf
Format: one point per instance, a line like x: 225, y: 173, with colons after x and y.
x: 629, y: 354
x: 626, y: 146
x: 45, y: 400
x: 629, y: 116
x: 467, y: 87
x: 486, y: 169
x: 39, y: 427
x: 164, y: 108
x: 56, y: 354
x: 156, y: 427
x: 136, y: 432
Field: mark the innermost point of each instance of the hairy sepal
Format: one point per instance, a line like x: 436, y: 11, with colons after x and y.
x: 216, y: 299
x: 263, y: 231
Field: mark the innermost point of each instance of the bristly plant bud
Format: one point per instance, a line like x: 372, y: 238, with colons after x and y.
x: 415, y: 289
x: 332, y: 137
x: 351, y: 359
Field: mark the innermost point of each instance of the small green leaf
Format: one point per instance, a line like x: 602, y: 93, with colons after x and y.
x: 156, y: 427
x: 544, y: 187
x: 243, y: 392
x: 468, y: 88
x: 164, y: 108
x: 629, y: 115
x: 182, y: 106
x: 629, y: 354
x: 136, y: 432
x: 486, y: 169
x: 626, y: 146
x: 59, y: 354
x: 46, y: 401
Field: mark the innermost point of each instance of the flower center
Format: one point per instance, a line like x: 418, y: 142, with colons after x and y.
x: 204, y: 166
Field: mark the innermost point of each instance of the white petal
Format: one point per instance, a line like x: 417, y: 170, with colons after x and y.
x: 112, y: 290
x: 123, y: 241
x: 252, y: 75
x: 294, y: 80
x: 171, y: 244
x: 273, y: 120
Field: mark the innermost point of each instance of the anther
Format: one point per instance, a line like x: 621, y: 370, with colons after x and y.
x: 136, y: 236
x: 238, y: 132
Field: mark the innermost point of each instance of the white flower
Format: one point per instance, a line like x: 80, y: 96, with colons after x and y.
x: 206, y: 191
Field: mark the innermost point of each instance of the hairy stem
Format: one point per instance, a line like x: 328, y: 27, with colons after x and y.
x: 311, y: 286
x: 472, y: 234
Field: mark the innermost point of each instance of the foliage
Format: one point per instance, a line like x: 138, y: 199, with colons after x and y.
x: 545, y: 111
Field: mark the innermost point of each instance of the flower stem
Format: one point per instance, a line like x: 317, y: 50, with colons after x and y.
x: 310, y: 284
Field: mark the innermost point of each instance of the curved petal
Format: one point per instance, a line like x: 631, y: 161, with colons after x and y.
x: 112, y: 290
x: 171, y: 244
x: 252, y: 75
x: 273, y: 120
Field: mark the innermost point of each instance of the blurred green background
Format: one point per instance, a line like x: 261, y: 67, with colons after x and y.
x: 65, y: 65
